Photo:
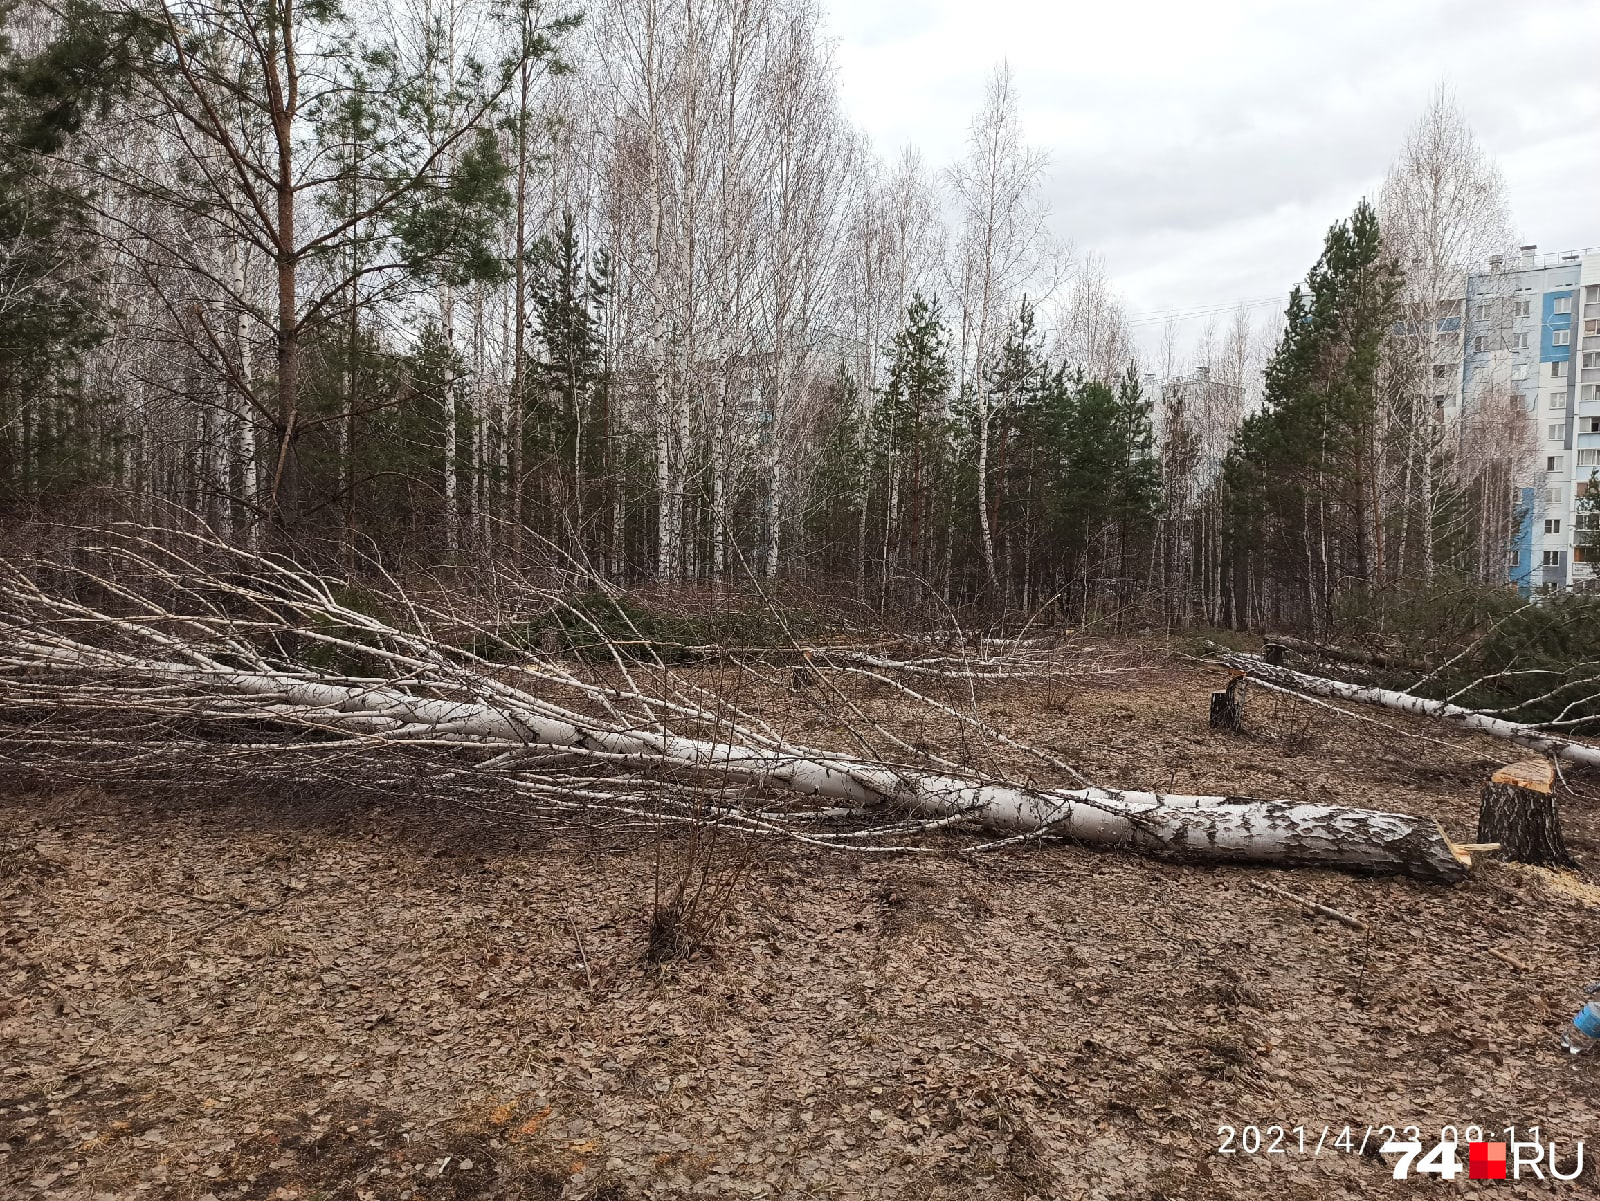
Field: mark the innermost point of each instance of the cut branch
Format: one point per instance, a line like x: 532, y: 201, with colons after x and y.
x: 188, y: 643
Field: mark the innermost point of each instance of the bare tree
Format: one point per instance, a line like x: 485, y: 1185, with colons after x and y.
x: 1443, y: 212
x: 1000, y: 247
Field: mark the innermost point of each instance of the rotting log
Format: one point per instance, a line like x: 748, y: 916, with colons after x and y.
x: 1468, y: 719
x: 1519, y: 811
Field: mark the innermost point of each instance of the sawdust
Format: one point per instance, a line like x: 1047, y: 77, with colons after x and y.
x: 1567, y: 883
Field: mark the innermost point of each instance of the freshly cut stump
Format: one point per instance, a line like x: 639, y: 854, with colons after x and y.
x: 1518, y: 810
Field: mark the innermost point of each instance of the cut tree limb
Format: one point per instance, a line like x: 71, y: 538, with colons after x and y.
x: 1311, y: 906
x: 417, y: 691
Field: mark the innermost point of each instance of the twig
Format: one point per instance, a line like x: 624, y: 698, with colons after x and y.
x: 578, y: 938
x: 1321, y: 910
x: 1504, y: 958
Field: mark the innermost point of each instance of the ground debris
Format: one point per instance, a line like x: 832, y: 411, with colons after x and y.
x: 234, y: 999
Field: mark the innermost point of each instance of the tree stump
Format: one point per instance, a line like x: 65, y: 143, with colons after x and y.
x: 1273, y: 653
x: 1518, y: 810
x: 1227, y: 706
x: 803, y: 675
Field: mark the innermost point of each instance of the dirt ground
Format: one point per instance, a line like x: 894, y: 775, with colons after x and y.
x: 226, y: 999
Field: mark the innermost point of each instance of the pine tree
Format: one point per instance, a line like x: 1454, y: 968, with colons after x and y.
x: 51, y: 440
x: 1303, y: 473
x: 566, y: 439
x: 911, y: 442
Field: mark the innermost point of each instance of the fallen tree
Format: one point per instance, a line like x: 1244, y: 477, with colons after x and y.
x: 1359, y: 656
x: 1405, y: 702
x: 249, y: 651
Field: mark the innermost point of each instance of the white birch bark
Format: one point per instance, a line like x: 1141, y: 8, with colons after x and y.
x: 1209, y: 828
x: 1467, y: 719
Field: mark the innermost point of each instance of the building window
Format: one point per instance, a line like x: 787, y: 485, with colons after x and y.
x: 1558, y: 433
x: 1520, y: 308
x: 1552, y: 558
x: 1561, y: 337
x: 1555, y: 462
x: 1481, y: 310
x: 1563, y: 305
x: 1519, y: 341
x: 1516, y: 558
x: 1519, y: 372
x: 1554, y: 496
x: 1581, y: 555
x: 1591, y: 392
x: 1588, y: 425
x: 1558, y: 400
x: 1480, y: 344
x: 1552, y: 525
x: 1591, y: 358
x: 1591, y: 327
x: 1584, y: 521
x: 1558, y: 370
x: 1589, y: 458
x: 1441, y: 371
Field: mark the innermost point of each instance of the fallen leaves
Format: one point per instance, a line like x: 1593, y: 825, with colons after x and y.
x: 933, y: 1028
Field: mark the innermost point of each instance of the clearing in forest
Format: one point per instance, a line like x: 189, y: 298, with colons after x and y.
x: 254, y: 995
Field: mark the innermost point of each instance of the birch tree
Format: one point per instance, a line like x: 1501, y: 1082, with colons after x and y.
x: 1444, y: 213
x: 999, y: 249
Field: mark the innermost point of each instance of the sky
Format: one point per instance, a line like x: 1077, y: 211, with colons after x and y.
x: 1203, y: 148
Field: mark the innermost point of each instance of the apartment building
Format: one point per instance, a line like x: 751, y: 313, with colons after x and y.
x: 1530, y: 334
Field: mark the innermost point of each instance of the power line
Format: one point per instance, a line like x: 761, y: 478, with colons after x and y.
x: 1163, y: 315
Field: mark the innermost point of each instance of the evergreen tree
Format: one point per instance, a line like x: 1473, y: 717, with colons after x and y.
x: 566, y: 435
x: 910, y: 448
x: 1305, y: 525
x: 50, y: 301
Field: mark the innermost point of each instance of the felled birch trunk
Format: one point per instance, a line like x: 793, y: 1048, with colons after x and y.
x: 1469, y: 719
x: 1216, y: 829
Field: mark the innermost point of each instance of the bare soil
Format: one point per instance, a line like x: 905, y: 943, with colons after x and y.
x: 224, y: 998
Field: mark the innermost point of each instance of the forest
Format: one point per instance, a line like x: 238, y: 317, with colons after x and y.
x: 572, y: 628
x: 468, y: 280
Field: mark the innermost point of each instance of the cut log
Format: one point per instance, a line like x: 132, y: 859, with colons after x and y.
x: 1468, y: 719
x: 1340, y: 654
x: 422, y: 695
x: 1220, y: 829
x: 1518, y: 810
x: 1227, y: 706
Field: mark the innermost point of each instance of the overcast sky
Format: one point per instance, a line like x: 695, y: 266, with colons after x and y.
x: 1203, y: 148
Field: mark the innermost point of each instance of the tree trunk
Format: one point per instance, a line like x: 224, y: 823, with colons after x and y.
x: 1519, y: 812
x: 1530, y: 736
x: 1227, y: 706
x: 1218, y: 829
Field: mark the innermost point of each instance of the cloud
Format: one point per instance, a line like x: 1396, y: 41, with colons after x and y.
x: 1204, y: 149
